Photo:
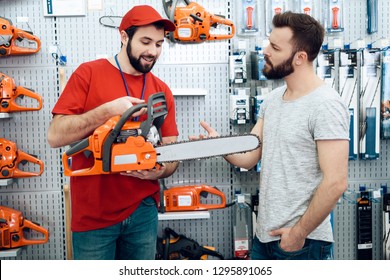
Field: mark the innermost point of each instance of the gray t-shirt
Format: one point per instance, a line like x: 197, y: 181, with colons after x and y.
x: 290, y: 171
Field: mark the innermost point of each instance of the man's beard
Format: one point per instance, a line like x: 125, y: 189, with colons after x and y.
x: 280, y: 71
x: 136, y: 62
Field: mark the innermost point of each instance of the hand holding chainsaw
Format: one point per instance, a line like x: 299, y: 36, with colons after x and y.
x: 67, y: 129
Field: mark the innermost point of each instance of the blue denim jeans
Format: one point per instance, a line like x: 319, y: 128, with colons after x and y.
x: 134, y: 238
x: 312, y: 250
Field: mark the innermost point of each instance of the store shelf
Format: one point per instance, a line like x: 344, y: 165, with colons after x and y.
x: 5, y: 116
x: 10, y: 253
x: 6, y: 182
x: 183, y: 215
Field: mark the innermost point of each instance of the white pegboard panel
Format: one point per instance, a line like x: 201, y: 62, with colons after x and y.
x: 45, y: 209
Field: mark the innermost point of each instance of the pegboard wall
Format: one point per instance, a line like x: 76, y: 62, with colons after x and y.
x: 199, y: 67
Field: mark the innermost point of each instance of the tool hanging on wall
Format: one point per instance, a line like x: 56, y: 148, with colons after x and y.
x: 110, y: 21
x: 12, y: 229
x: 14, y: 41
x: 11, y: 158
x: 174, y: 246
x: 10, y: 96
x: 194, y: 24
x: 189, y: 198
x: 122, y: 144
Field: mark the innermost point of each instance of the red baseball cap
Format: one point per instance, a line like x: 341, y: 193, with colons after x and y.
x: 144, y: 15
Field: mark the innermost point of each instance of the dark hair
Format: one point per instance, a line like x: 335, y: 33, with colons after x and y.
x: 308, y: 33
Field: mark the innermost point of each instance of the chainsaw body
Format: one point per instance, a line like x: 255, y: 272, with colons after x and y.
x: 194, y: 23
x: 12, y: 37
x: 9, y: 94
x: 10, y: 159
x: 188, y: 198
x: 12, y: 226
x: 122, y: 144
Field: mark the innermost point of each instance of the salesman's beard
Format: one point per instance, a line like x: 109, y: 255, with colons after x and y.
x: 136, y: 62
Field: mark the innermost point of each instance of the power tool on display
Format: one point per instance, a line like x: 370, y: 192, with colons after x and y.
x: 174, y: 246
x: 10, y: 96
x: 189, y: 198
x: 194, y: 24
x: 123, y: 144
x: 12, y: 158
x: 15, y: 41
x: 13, y: 227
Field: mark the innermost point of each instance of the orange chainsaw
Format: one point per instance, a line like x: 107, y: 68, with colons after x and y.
x: 122, y: 144
x: 9, y: 94
x: 194, y: 23
x: 12, y: 227
x: 11, y: 158
x: 189, y: 198
x: 14, y: 41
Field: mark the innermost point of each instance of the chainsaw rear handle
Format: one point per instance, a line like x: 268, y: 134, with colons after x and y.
x: 78, y: 148
x: 23, y: 241
x: 10, y: 48
x: 220, y: 20
x: 22, y: 156
x: 13, y: 106
x: 202, y: 189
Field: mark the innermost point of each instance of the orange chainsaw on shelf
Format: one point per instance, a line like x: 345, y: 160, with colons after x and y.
x: 12, y: 227
x: 194, y: 24
x: 14, y: 41
x: 122, y: 144
x: 10, y: 94
x: 11, y: 158
x: 189, y: 198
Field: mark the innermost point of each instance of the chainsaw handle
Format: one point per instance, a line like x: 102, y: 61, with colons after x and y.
x: 79, y: 147
x: 223, y: 21
x: 21, y: 91
x: 214, y: 191
x: 30, y: 225
x: 19, y: 33
x: 22, y: 156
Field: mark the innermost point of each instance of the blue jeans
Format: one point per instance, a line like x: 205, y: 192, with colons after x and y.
x: 134, y: 238
x: 312, y: 250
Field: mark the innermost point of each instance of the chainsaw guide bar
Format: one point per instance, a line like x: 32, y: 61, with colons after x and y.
x: 207, y: 148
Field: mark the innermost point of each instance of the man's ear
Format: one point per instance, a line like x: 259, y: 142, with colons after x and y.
x: 300, y: 57
x: 124, y: 37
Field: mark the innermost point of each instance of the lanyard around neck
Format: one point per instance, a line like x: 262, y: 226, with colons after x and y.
x: 124, y: 80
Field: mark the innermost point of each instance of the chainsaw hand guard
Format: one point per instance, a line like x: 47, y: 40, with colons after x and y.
x: 9, y: 93
x: 11, y: 157
x: 10, y: 35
